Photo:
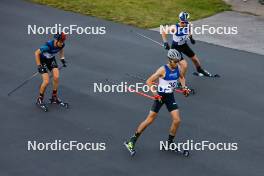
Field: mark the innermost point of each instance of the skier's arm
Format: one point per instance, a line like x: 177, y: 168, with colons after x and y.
x: 190, y: 35
x: 190, y: 31
x: 185, y: 89
x: 164, y: 36
x: 61, y: 54
x: 41, y: 68
x: 182, y: 80
x: 151, y: 80
x: 38, y: 52
x: 37, y: 56
x: 62, y: 58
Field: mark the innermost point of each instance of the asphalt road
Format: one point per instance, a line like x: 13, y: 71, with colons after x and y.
x: 229, y: 109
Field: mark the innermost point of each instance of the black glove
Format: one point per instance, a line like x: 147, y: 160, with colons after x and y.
x: 192, y: 40
x: 166, y: 45
x: 42, y: 69
x: 63, y: 63
x: 158, y: 97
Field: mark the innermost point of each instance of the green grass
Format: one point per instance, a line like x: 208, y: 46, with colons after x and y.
x: 140, y: 13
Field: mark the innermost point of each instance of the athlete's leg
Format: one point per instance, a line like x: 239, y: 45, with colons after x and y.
x: 45, y: 81
x: 189, y: 52
x: 56, y: 73
x: 196, y: 61
x: 53, y: 67
x: 175, y: 122
x: 172, y: 107
x: 198, y: 66
x: 183, y: 66
x: 142, y: 126
x: 44, y: 84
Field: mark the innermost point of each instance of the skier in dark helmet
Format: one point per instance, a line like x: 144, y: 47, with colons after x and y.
x: 45, y: 60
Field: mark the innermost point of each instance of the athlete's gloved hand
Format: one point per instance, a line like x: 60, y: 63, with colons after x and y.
x: 166, y: 45
x: 42, y: 69
x: 192, y: 40
x: 63, y: 63
x: 186, y: 91
x: 158, y: 97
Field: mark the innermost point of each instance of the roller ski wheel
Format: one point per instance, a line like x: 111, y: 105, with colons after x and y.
x: 129, y: 146
x: 185, y: 153
x: 42, y: 105
x: 55, y: 100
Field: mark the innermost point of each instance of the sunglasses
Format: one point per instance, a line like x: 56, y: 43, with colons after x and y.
x: 183, y: 22
x: 174, y: 61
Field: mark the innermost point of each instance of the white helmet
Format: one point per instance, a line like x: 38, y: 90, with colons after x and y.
x: 183, y: 16
x: 174, y: 54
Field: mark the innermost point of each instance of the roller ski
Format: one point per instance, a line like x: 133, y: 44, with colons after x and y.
x: 205, y: 73
x: 56, y: 100
x: 177, y: 150
x: 40, y: 103
x: 130, y: 147
x: 185, y: 153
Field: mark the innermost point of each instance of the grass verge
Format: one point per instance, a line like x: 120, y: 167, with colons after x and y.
x: 140, y: 13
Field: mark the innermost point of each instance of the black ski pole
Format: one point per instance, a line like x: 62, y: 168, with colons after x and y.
x: 25, y: 82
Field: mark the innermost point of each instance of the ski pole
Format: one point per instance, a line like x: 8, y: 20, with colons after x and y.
x: 25, y: 82
x: 141, y: 93
x: 146, y: 37
x: 22, y: 84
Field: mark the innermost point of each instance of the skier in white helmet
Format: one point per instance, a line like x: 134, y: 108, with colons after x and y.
x: 167, y: 75
x: 181, y: 33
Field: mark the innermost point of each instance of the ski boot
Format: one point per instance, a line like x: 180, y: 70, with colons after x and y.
x: 40, y: 103
x: 56, y: 100
x: 130, y: 147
